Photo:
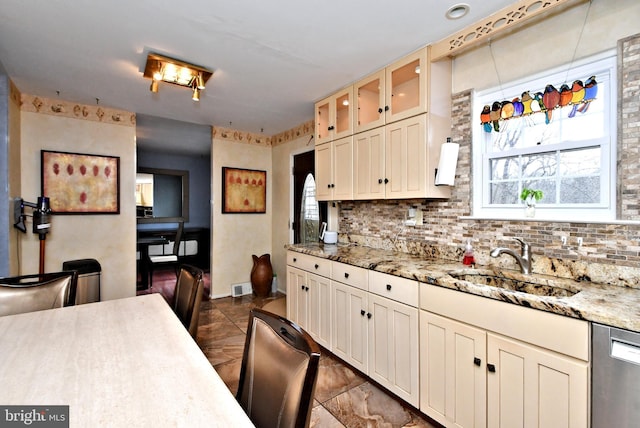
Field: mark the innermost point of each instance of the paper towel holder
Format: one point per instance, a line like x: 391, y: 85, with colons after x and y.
x: 447, y: 164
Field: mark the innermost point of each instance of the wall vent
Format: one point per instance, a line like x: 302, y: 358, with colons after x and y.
x: 241, y: 289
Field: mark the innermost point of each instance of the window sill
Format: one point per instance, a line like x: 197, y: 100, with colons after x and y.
x: 548, y: 220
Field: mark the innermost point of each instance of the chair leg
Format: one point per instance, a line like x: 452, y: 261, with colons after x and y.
x: 150, y: 282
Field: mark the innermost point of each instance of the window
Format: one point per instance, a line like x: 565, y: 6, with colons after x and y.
x: 567, y: 152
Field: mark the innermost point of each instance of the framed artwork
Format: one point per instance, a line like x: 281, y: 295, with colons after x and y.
x: 81, y: 183
x: 244, y: 191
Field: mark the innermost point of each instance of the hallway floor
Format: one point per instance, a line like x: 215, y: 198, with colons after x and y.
x: 343, y: 397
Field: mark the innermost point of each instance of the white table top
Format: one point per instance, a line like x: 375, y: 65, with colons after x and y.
x: 119, y: 363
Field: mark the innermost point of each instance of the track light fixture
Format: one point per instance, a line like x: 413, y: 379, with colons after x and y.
x: 170, y: 70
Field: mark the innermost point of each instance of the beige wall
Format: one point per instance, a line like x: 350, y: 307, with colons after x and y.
x: 14, y: 174
x: 547, y: 44
x: 282, y: 163
x: 110, y: 239
x: 236, y: 237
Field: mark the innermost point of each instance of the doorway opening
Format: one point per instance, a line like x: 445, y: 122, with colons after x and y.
x: 308, y: 213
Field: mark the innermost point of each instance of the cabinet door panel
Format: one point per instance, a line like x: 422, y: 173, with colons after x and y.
x: 295, y: 279
x: 368, y: 177
x: 343, y: 169
x: 324, y: 172
x: 319, y: 311
x: 393, y: 347
x: 349, y: 329
x: 452, y: 370
x: 406, y: 158
x: 533, y: 387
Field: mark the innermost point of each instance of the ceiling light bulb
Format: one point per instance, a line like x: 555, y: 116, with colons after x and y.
x: 196, y: 94
x: 345, y: 102
x: 417, y: 69
x: 157, y: 75
x: 199, y: 81
x: 154, y: 86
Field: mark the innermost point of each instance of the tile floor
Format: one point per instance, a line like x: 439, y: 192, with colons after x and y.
x: 343, y: 398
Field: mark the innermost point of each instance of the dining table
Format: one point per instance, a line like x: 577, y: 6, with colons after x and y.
x: 119, y: 363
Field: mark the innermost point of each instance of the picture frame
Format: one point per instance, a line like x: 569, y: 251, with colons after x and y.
x: 244, y: 191
x: 78, y: 183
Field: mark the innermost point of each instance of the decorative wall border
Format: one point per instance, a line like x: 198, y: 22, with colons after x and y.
x: 306, y: 128
x: 500, y: 22
x: 35, y: 104
x: 218, y: 132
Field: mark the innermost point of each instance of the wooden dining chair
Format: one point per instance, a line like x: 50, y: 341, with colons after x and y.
x: 188, y: 296
x: 37, y: 292
x: 167, y: 259
x: 278, y: 372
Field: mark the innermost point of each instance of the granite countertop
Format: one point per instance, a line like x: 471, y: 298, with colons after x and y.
x: 606, y: 304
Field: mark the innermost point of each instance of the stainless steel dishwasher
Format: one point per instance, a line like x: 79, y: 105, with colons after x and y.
x: 615, y: 375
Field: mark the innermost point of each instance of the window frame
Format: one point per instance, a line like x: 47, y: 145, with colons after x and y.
x: 481, y: 179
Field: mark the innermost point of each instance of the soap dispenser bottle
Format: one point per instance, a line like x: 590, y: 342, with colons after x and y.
x: 468, y: 255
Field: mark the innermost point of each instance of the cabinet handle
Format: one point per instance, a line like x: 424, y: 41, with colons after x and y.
x: 388, y: 287
x: 346, y: 275
x: 369, y: 315
x: 328, y: 186
x: 386, y: 180
x: 477, y: 361
x: 491, y: 368
x: 302, y: 287
x: 379, y: 180
x: 380, y: 110
x: 330, y: 128
x: 317, y: 266
x: 386, y: 108
x: 306, y: 288
x: 362, y: 312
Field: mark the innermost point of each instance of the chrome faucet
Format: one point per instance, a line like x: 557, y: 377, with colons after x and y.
x: 524, y: 259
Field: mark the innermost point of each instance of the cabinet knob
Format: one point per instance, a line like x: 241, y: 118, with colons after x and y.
x: 331, y: 128
x: 316, y: 266
x: 388, y: 287
x: 386, y: 180
x: 362, y: 312
x: 380, y: 110
x: 306, y: 288
x: 491, y: 368
x: 346, y: 275
x: 477, y: 361
x: 379, y: 180
x: 295, y: 260
x: 302, y: 287
x: 328, y: 186
x: 386, y: 108
x: 369, y: 315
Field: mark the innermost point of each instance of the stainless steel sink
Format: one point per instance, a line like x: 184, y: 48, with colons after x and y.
x: 530, y: 284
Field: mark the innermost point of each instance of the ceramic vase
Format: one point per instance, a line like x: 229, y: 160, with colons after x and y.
x: 261, y: 275
x: 530, y: 207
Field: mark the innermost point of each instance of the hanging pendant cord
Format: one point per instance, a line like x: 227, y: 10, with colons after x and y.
x: 495, y: 67
x: 575, y: 50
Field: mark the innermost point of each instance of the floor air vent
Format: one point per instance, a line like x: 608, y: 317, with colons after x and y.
x: 241, y: 289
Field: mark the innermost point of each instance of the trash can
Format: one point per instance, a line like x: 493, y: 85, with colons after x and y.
x: 88, y: 289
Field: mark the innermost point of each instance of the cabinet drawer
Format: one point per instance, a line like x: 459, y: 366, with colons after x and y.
x: 402, y: 290
x: 350, y: 275
x: 309, y: 263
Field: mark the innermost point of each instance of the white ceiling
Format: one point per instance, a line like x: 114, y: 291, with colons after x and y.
x: 271, y: 59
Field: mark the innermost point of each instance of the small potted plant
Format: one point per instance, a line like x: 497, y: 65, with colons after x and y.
x: 530, y: 197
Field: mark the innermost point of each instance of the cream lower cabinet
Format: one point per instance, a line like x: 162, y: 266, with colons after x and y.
x: 350, y: 326
x: 453, y: 372
x: 475, y: 373
x: 309, y: 297
x: 531, y: 387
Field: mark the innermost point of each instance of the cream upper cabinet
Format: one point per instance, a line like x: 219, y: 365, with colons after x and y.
x: 406, y: 86
x: 368, y: 164
x: 334, y: 117
x: 334, y: 170
x: 369, y: 102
